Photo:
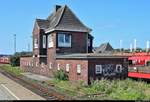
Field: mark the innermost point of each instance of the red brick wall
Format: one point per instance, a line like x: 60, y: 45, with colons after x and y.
x: 78, y: 44
x: 32, y: 67
x: 105, y: 61
x: 51, y: 52
x: 36, y: 32
x: 73, y: 76
x: 26, y: 63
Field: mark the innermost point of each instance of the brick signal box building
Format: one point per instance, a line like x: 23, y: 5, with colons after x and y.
x: 62, y: 41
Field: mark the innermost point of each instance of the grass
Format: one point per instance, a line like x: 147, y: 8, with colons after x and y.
x: 14, y: 70
x: 127, y: 89
x: 103, y: 89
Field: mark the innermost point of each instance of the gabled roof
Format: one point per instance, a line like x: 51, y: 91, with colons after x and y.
x: 62, y: 19
x: 105, y: 47
x: 43, y: 24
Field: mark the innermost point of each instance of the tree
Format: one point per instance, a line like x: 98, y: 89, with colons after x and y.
x: 15, y: 59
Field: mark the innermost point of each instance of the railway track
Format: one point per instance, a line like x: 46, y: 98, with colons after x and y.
x: 47, y: 93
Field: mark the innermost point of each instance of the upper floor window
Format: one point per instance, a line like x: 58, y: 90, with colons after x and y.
x: 44, y: 41
x: 35, y: 43
x: 50, y: 41
x: 64, y: 40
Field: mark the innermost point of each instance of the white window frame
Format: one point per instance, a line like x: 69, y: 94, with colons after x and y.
x: 67, y: 67
x: 119, y: 70
x: 79, y: 69
x: 36, y: 43
x: 36, y: 64
x: 98, y: 69
x: 58, y: 66
x: 50, y: 41
x: 50, y: 65
x: 44, y: 41
x: 64, y: 43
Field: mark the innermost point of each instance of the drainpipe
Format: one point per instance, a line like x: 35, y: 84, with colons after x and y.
x: 87, y: 44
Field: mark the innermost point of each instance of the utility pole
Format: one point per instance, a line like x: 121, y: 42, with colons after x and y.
x: 14, y: 43
x: 131, y: 47
x: 147, y: 46
x: 28, y: 47
x: 134, y: 45
x: 120, y: 45
x: 31, y: 42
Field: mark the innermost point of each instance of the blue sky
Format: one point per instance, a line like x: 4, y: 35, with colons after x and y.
x: 110, y: 20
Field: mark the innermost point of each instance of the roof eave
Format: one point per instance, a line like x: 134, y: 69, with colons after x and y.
x: 51, y: 30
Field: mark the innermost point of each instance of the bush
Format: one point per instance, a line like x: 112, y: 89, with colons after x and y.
x: 15, y: 61
x: 61, y: 75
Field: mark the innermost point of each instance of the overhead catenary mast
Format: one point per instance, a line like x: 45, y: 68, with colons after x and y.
x: 147, y: 46
x: 120, y: 45
x: 131, y: 47
x: 14, y: 43
x: 135, y: 44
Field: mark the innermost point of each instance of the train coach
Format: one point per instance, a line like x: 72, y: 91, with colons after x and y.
x: 139, y: 65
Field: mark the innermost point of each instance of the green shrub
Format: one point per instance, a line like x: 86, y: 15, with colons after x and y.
x: 15, y: 61
x: 60, y: 75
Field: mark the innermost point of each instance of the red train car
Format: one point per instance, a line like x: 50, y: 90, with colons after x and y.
x: 4, y: 60
x: 139, y: 65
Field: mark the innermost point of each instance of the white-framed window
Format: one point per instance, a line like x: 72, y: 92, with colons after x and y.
x: 35, y: 43
x: 98, y: 69
x: 50, y: 65
x: 67, y: 67
x: 36, y: 64
x: 50, y: 41
x: 78, y: 68
x: 119, y: 68
x: 64, y: 40
x: 58, y: 66
x: 44, y: 41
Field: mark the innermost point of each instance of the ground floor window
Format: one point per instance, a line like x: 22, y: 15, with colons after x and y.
x: 67, y: 67
x: 78, y: 68
x: 98, y: 69
x: 50, y: 65
x: 119, y: 68
x: 58, y: 66
x: 36, y: 64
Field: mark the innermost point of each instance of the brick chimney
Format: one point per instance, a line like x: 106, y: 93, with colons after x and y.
x: 57, y: 7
